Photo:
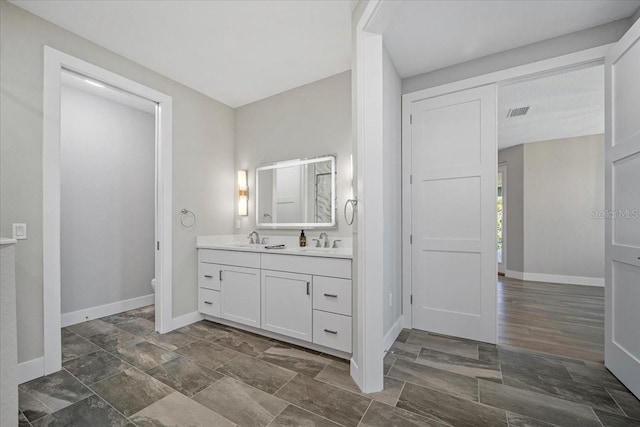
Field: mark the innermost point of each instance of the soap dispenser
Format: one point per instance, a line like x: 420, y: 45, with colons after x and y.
x: 303, y: 239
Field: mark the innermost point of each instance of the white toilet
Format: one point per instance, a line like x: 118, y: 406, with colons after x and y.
x: 153, y: 285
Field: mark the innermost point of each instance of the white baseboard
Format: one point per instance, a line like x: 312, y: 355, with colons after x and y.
x: 390, y: 337
x: 186, y: 319
x: 80, y: 316
x: 556, y: 278
x: 30, y: 370
x: 356, y: 374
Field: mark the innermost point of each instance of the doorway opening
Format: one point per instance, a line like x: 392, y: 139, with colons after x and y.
x: 85, y: 203
x: 551, y: 163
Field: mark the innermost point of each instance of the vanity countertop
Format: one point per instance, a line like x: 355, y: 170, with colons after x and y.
x: 239, y: 243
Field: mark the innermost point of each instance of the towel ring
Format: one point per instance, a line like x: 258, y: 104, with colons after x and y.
x: 353, y: 203
x: 184, y: 214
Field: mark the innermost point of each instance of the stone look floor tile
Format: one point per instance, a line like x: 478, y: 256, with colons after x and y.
x: 111, y: 340
x: 459, y: 365
x: 257, y: 373
x: 535, y: 405
x: 338, y: 374
x: 178, y: 410
x: 22, y: 420
x: 131, y: 390
x: 137, y: 326
x: 49, y: 394
x: 447, y: 382
x: 95, y: 366
x: 594, y: 396
x: 455, y: 346
x: 405, y: 351
x: 91, y: 411
x: 170, y: 341
x: 517, y: 420
x: 75, y: 346
x: 381, y: 415
x: 185, y: 375
x: 207, y: 353
x: 249, y: 344
x: 594, y: 374
x: 612, y: 420
x: 292, y: 416
x: 449, y: 409
x: 92, y: 327
x: 628, y: 402
x: 144, y: 355
x: 326, y: 400
x: 294, y: 359
x: 240, y: 403
x: 204, y: 330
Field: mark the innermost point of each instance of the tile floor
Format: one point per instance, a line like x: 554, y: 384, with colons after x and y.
x: 118, y: 372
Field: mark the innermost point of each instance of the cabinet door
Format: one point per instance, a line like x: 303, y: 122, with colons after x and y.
x: 286, y: 304
x: 240, y: 295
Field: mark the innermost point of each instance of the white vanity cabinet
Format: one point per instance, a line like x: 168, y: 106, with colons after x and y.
x: 229, y: 285
x: 293, y: 297
x: 286, y: 304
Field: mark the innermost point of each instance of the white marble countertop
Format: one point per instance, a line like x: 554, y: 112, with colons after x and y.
x: 239, y: 243
x: 6, y: 241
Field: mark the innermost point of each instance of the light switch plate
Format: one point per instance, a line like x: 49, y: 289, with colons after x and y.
x: 19, y: 231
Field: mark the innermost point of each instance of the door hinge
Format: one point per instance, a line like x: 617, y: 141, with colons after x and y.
x: 158, y: 245
x: 411, y: 239
x: 410, y: 119
x: 411, y: 299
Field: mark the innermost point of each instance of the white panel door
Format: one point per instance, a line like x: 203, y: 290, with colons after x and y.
x: 286, y: 304
x: 453, y: 196
x: 622, y: 202
x: 240, y: 295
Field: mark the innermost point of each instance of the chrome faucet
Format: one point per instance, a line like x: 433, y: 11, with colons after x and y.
x: 251, y: 237
x: 324, y: 237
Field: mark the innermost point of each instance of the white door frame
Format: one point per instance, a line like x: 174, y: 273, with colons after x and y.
x: 502, y: 167
x: 589, y: 56
x: 54, y: 62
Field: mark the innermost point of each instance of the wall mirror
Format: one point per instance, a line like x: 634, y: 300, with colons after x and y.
x: 297, y: 194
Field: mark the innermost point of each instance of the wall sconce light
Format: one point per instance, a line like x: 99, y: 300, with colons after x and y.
x: 243, y: 194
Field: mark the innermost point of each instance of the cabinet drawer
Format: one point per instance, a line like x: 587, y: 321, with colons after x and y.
x: 209, y: 302
x: 209, y: 276
x: 334, y: 267
x: 332, y: 330
x: 332, y: 295
x: 240, y: 259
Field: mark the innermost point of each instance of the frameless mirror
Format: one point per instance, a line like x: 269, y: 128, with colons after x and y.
x: 297, y: 194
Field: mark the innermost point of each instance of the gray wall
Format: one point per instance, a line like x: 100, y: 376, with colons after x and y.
x: 574, y: 42
x: 308, y: 121
x: 552, y: 189
x: 203, y: 172
x: 563, y: 184
x: 514, y: 159
x: 107, y: 164
x: 392, y: 193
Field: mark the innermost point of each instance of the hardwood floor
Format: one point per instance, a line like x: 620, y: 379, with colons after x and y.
x: 566, y: 320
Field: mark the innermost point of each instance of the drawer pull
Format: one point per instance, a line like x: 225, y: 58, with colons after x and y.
x: 308, y: 291
x: 208, y: 302
x: 331, y: 295
x: 329, y: 331
x: 220, y: 274
x: 208, y: 276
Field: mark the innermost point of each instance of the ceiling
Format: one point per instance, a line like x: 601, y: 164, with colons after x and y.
x: 428, y: 35
x: 236, y: 52
x: 563, y: 105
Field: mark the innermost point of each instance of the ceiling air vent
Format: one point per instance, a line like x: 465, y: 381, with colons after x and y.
x: 516, y: 112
